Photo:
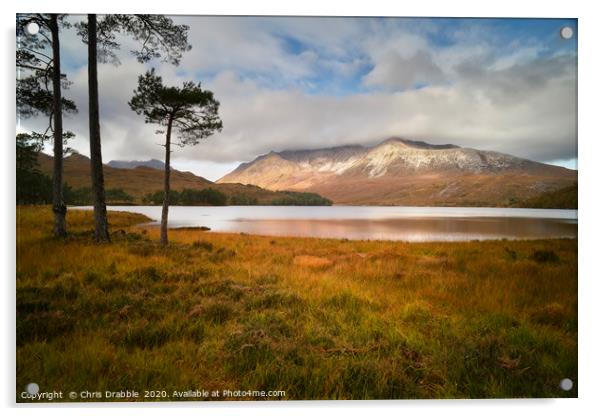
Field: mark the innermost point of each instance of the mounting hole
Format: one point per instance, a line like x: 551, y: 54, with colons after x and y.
x: 566, y: 32
x: 32, y: 28
x: 566, y: 384
x: 32, y: 388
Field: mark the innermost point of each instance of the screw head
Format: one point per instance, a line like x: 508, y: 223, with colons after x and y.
x: 566, y: 384
x: 566, y: 32
x: 32, y: 28
x: 32, y: 388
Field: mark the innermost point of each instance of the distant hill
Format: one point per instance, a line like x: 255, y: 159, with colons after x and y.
x: 142, y: 181
x: 405, y: 172
x: 132, y: 164
x: 564, y: 198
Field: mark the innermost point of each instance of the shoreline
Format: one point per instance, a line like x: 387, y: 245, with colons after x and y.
x: 388, y: 224
x: 154, y: 225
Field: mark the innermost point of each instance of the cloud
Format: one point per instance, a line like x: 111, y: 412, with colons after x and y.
x: 527, y: 110
x: 290, y: 83
x: 395, y: 71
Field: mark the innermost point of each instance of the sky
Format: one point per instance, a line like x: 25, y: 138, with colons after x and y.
x: 287, y: 83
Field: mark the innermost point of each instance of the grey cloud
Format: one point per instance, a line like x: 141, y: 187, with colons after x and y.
x: 523, y: 106
x: 520, y: 81
x: 527, y: 110
x: 395, y: 71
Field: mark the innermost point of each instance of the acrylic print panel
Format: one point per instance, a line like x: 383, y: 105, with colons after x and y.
x: 295, y: 208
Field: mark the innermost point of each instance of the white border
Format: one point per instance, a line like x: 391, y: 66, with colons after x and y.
x: 590, y: 152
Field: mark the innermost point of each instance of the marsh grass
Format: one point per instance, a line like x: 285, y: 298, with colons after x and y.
x: 320, y: 319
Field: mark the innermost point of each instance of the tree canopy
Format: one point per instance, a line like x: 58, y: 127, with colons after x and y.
x: 35, y: 69
x: 157, y: 34
x: 188, y: 111
x: 191, y: 110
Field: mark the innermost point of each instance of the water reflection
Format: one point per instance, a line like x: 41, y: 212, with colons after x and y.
x: 386, y: 223
x: 414, y: 229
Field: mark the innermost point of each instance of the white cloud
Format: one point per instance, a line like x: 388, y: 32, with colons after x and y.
x: 474, y: 94
x: 535, y: 119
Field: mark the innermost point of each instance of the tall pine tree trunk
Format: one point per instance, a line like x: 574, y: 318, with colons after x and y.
x: 58, y: 205
x: 101, y: 226
x: 165, y: 210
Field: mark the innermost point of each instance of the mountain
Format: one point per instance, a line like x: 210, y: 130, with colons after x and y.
x: 132, y: 164
x: 137, y: 181
x: 143, y: 180
x: 405, y: 172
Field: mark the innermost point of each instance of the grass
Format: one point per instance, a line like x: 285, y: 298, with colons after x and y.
x: 317, y: 318
x: 563, y: 198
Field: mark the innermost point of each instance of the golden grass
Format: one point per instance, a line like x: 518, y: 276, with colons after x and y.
x: 318, y: 318
x: 312, y: 262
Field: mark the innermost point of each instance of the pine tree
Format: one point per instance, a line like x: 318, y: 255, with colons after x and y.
x: 39, y: 85
x: 158, y: 34
x: 190, y: 112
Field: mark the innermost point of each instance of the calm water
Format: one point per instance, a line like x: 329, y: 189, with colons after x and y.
x: 382, y: 223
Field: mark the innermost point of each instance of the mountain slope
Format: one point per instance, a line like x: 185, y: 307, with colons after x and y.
x: 136, y: 182
x: 405, y: 172
x: 132, y: 164
x: 141, y: 181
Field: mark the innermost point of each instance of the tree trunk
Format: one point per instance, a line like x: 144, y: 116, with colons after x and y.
x: 58, y: 205
x: 165, y: 210
x: 101, y: 225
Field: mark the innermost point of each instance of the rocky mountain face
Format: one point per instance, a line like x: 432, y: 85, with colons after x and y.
x: 133, y: 164
x: 405, y: 172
